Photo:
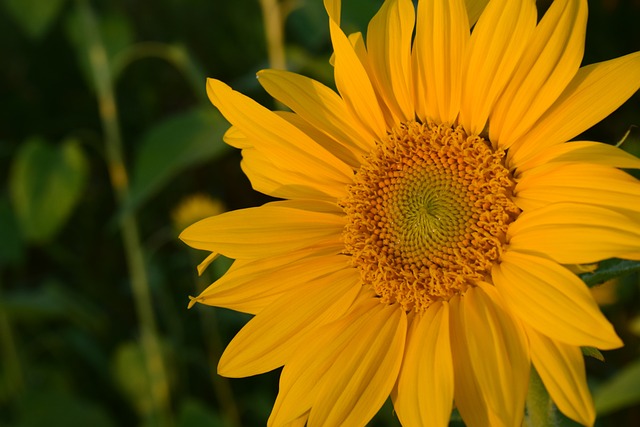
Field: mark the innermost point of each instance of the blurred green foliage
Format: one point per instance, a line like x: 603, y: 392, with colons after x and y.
x: 45, y: 185
x: 70, y: 348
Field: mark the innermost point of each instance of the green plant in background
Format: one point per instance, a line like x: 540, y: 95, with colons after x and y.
x: 46, y: 182
x: 105, y: 127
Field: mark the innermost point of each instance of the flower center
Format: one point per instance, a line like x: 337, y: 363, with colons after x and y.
x: 427, y: 214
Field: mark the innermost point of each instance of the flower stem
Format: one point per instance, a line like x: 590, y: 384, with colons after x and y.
x: 273, y: 26
x: 215, y: 347
x: 13, y: 373
x: 158, y: 384
x: 175, y: 55
x: 541, y: 411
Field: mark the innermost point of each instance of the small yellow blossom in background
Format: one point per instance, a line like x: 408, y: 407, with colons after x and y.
x: 194, y: 208
x: 634, y: 326
x: 606, y: 293
x: 428, y: 211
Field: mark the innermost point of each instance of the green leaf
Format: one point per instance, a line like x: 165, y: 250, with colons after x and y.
x: 356, y: 14
x: 182, y: 141
x: 541, y: 412
x: 130, y: 374
x: 34, y: 16
x: 620, y: 391
x: 592, y: 352
x: 46, y: 182
x: 116, y: 32
x: 610, y: 269
x: 51, y: 301
x: 12, y: 247
x: 308, y: 23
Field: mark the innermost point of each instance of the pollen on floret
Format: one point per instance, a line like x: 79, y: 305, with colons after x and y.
x: 427, y: 214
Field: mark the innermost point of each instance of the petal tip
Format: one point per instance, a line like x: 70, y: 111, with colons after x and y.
x: 193, y: 301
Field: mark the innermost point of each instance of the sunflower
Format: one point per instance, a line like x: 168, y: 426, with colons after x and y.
x: 431, y: 210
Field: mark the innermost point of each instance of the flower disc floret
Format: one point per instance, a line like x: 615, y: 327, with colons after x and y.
x: 428, y: 213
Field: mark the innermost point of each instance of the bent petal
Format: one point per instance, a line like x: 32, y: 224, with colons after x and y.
x: 350, y: 155
x: 271, y: 179
x: 318, y: 105
x: 264, y: 231
x: 572, y: 233
x: 235, y: 138
x: 552, y: 300
x: 424, y: 392
x: 561, y: 368
x: 281, y: 142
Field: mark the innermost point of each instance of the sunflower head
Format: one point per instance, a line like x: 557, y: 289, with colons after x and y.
x: 428, y: 212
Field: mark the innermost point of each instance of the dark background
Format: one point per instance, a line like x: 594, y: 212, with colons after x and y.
x: 70, y: 352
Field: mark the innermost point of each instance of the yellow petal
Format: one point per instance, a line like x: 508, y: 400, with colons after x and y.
x: 352, y: 80
x: 552, y: 300
x: 334, y: 9
x: 282, y: 143
x: 561, y: 368
x: 468, y: 396
x: 424, y: 391
x: 250, y: 286
x: 571, y: 233
x: 357, y: 41
x: 347, y: 153
x: 546, y: 68
x: 496, y: 340
x: 442, y: 35
x: 318, y: 105
x: 474, y: 9
x: 595, y: 153
x: 389, y: 50
x: 497, y: 42
x: 273, y: 180
x: 263, y: 231
x: 485, y: 339
x: 206, y: 263
x: 298, y: 422
x: 578, y: 183
x: 235, y: 138
x: 311, y: 205
x: 272, y: 336
x: 362, y: 375
x: 300, y: 377
x: 328, y: 349
x: 594, y: 93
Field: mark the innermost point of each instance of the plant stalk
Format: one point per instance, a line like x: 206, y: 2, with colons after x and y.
x: 158, y: 382
x: 13, y: 373
x: 273, y: 27
x: 541, y: 411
